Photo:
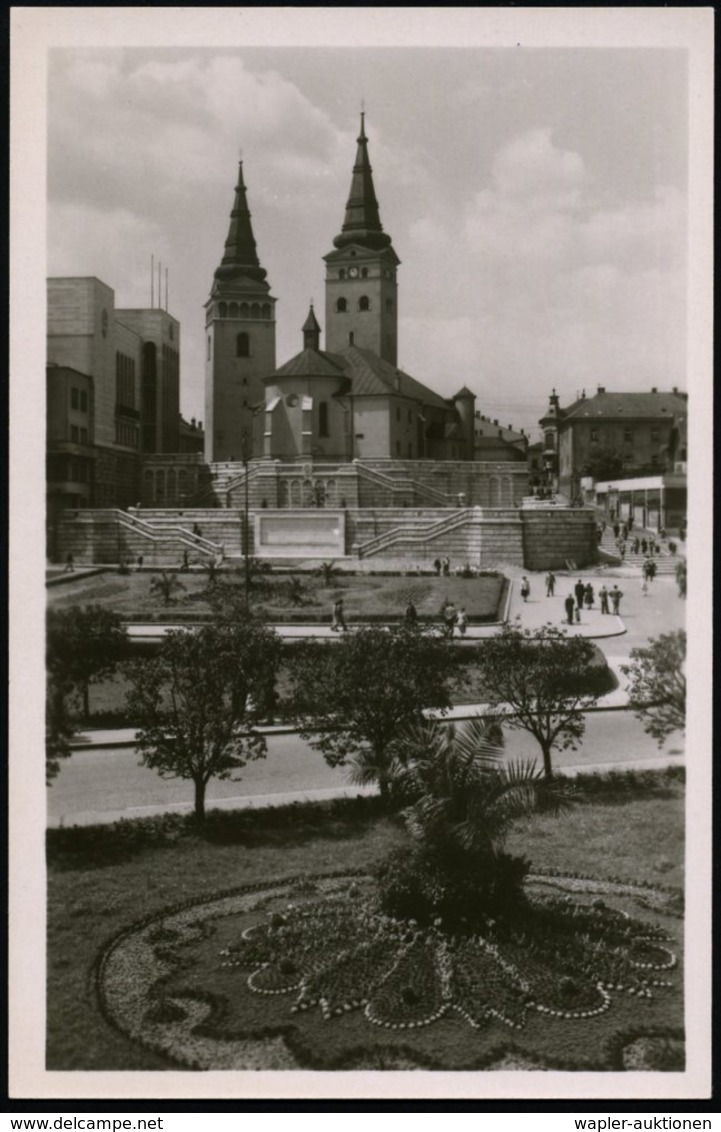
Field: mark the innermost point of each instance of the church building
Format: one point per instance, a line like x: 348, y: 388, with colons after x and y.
x: 345, y: 402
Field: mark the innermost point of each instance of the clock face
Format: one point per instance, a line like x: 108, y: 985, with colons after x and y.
x: 291, y: 400
x: 353, y: 272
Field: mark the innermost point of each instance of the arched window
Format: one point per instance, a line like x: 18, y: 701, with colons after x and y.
x: 364, y: 272
x: 244, y: 310
x: 242, y: 345
x: 255, y: 310
x: 323, y: 418
x: 364, y: 303
x: 341, y: 305
x: 222, y: 310
x: 233, y: 311
x: 266, y: 310
x: 341, y: 273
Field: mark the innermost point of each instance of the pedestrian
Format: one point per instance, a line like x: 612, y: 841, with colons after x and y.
x: 589, y: 595
x: 616, y: 529
x: 525, y: 588
x: 681, y: 577
x: 437, y: 566
x: 338, y: 622
x: 550, y: 583
x: 411, y: 617
x: 623, y: 551
x: 644, y: 546
x: 569, y: 604
x: 603, y: 597
x: 624, y: 531
x: 140, y: 562
x: 651, y: 570
x: 630, y: 522
x: 69, y: 565
x: 580, y: 591
x: 644, y: 585
x: 462, y: 622
x: 449, y: 617
x: 184, y: 565
x: 636, y: 545
x: 446, y: 566
x: 616, y: 596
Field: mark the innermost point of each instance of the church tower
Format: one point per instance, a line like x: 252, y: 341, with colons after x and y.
x: 361, y: 292
x: 239, y: 342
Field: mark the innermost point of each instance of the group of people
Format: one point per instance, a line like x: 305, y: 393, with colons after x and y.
x: 583, y: 594
x: 442, y: 566
x: 454, y: 619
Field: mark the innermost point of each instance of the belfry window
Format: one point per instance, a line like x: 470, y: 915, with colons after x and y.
x: 323, y: 418
x: 364, y: 303
x: 364, y: 272
x: 242, y: 345
x: 341, y: 305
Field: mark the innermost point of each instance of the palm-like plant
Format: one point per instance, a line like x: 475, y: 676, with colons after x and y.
x: 462, y: 791
x: 165, y: 586
x: 463, y: 798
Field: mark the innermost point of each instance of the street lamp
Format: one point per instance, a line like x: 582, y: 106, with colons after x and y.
x: 246, y: 448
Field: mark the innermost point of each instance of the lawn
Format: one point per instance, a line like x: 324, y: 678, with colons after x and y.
x: 297, y: 596
x: 95, y: 894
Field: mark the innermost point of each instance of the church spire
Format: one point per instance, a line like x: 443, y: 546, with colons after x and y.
x: 241, y: 257
x: 311, y: 331
x: 362, y: 224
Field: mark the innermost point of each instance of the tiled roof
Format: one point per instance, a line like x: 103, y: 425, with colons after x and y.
x: 626, y: 405
x: 372, y: 376
x: 311, y: 363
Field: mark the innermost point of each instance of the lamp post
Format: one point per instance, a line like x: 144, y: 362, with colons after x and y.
x: 246, y: 443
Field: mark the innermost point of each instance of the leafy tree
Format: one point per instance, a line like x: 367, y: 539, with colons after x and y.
x: 58, y: 727
x: 464, y: 799
x: 353, y: 698
x: 83, y: 646
x: 546, y: 679
x: 199, y: 700
x: 603, y: 463
x: 657, y: 689
x: 328, y: 572
x: 166, y: 586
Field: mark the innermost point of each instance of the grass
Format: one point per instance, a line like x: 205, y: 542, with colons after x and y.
x: 87, y: 905
x: 364, y: 595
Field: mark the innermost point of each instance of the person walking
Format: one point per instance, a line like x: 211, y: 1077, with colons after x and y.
x: 644, y: 546
x: 589, y: 596
x: 449, y: 617
x: 411, y: 616
x: 603, y: 598
x: 69, y: 565
x: 462, y: 622
x: 550, y: 583
x: 616, y: 596
x: 525, y: 588
x: 569, y: 604
x: 338, y: 622
x: 616, y: 529
x: 580, y: 591
x: 446, y: 566
x: 437, y: 566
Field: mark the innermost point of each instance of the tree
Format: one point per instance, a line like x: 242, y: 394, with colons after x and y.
x: 83, y: 646
x: 464, y: 799
x: 165, y: 586
x: 198, y: 702
x: 353, y: 698
x: 657, y: 689
x: 545, y: 678
x: 58, y: 727
x: 603, y: 463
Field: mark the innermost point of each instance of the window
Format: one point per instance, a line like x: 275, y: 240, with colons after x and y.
x: 341, y: 273
x: 594, y: 436
x: 233, y: 310
x: 266, y: 310
x: 83, y: 401
x: 364, y: 272
x: 323, y: 418
x: 341, y: 305
x: 654, y: 460
x: 83, y: 436
x: 255, y: 310
x: 74, y: 435
x: 222, y: 310
x: 242, y: 345
x: 655, y: 435
x: 244, y: 310
x: 74, y: 398
x: 364, y: 303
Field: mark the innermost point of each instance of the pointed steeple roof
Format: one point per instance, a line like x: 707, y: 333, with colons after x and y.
x: 362, y: 224
x: 311, y: 331
x: 240, y: 258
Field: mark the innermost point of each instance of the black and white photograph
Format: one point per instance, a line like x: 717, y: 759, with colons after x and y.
x: 360, y: 455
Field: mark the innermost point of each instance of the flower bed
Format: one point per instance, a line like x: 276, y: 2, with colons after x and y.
x: 557, y: 987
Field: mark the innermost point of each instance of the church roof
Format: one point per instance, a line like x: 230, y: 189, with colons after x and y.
x: 463, y: 392
x: 311, y: 323
x: 240, y: 258
x: 362, y: 223
x: 310, y: 363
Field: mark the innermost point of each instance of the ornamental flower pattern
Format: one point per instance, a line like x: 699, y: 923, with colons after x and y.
x: 562, y: 958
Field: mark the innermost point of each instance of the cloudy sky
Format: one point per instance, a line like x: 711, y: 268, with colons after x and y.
x: 537, y: 198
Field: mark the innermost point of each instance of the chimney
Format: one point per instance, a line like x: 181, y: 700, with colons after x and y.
x: 602, y: 389
x: 675, y: 389
x: 192, y: 422
x: 495, y: 422
x: 654, y: 389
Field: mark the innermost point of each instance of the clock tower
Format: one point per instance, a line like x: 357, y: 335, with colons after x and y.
x: 361, y: 290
